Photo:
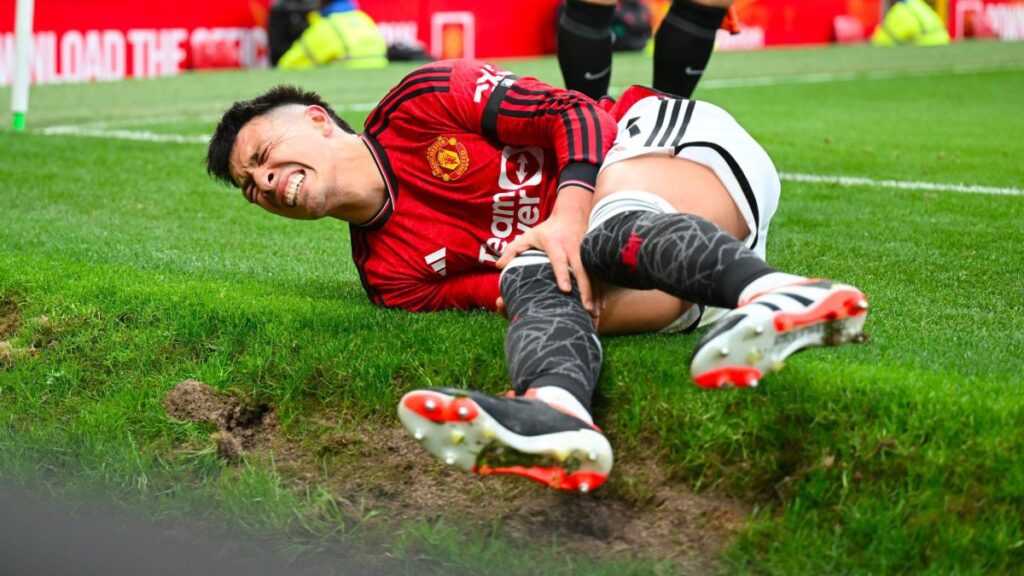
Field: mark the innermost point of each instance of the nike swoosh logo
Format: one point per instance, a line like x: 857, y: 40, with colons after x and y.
x: 694, y: 71
x: 592, y: 76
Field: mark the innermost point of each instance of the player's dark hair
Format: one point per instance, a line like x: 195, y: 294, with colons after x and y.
x: 241, y: 112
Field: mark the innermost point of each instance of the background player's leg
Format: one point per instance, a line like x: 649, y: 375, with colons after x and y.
x: 585, y: 45
x: 683, y: 44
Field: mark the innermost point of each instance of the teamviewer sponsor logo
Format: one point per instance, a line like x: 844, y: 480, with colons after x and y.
x: 516, y: 208
x: 436, y: 261
x: 520, y: 167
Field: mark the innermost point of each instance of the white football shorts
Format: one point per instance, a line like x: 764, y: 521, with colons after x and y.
x: 705, y: 134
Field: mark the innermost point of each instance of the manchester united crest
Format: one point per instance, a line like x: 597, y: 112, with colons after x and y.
x: 448, y: 158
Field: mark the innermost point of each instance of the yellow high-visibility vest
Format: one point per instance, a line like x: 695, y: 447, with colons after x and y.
x: 347, y: 39
x: 911, y: 22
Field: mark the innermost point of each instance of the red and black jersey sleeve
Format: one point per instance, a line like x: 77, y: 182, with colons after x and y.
x: 489, y: 100
x: 527, y: 111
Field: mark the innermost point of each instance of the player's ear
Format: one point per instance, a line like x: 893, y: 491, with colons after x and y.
x: 320, y: 118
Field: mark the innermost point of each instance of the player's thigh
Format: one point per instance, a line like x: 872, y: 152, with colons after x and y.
x: 628, y: 311
x: 704, y: 195
x: 689, y: 187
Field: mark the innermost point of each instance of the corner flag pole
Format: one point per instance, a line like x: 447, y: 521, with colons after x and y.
x: 22, y: 55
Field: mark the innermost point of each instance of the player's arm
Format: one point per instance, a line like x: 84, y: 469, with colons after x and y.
x: 526, y: 111
x: 559, y: 237
x: 476, y: 97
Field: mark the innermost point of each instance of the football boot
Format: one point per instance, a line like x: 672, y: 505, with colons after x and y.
x: 522, y: 436
x: 760, y: 334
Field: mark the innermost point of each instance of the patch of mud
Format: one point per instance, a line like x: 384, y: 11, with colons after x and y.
x: 10, y: 321
x: 9, y: 318
x: 640, y: 513
x: 241, y: 427
x: 9, y: 355
x: 655, y: 518
x: 45, y: 333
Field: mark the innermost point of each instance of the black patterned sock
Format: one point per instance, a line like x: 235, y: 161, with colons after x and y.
x: 681, y: 254
x: 585, y: 47
x: 683, y: 45
x: 551, y: 339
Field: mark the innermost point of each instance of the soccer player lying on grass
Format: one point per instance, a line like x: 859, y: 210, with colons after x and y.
x: 464, y: 169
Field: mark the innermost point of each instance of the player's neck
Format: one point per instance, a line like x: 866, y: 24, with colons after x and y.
x: 361, y: 192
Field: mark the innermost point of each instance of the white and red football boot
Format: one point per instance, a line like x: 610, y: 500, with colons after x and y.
x: 762, y: 332
x: 487, y: 434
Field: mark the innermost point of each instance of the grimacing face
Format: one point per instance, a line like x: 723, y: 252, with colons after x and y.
x: 282, y: 161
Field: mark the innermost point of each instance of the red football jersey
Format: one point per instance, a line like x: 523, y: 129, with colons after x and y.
x: 472, y: 157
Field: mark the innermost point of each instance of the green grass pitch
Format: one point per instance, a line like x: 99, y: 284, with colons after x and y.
x: 124, y: 270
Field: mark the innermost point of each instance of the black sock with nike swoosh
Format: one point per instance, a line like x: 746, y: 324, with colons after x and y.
x: 585, y: 47
x: 683, y: 45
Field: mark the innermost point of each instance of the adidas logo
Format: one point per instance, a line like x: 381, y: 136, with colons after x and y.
x: 436, y: 261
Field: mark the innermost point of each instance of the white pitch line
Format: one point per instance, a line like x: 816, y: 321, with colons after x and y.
x: 900, y: 184
x: 145, y: 136
x: 140, y: 135
x: 357, y: 107
x: 146, y: 121
x: 109, y: 125
x: 826, y: 77
x: 710, y: 84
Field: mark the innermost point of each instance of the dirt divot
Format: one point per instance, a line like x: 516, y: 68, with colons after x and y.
x: 45, y: 333
x: 9, y: 317
x: 10, y: 321
x: 393, y: 476
x: 241, y: 427
x: 9, y: 355
x: 379, y: 475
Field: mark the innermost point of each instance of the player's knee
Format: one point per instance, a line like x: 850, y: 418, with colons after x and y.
x: 610, y: 239
x: 522, y: 266
x: 529, y: 278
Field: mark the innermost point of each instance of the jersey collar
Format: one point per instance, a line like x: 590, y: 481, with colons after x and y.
x: 380, y: 158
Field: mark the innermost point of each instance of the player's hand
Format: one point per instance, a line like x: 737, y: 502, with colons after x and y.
x: 559, y: 237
